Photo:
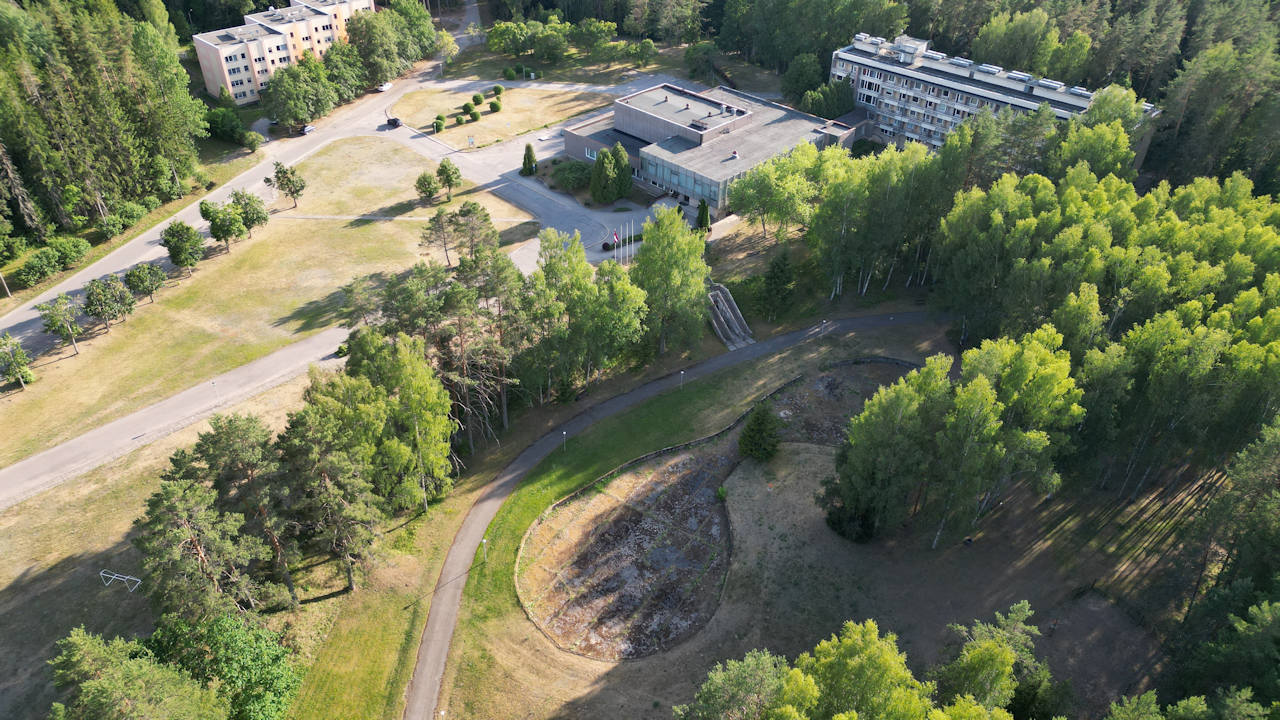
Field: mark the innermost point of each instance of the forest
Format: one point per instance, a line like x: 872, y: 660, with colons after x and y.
x: 95, y: 119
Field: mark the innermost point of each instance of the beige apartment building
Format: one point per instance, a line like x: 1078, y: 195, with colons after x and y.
x: 242, y: 59
x: 911, y: 92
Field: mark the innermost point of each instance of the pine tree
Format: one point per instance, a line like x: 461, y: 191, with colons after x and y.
x: 759, y: 438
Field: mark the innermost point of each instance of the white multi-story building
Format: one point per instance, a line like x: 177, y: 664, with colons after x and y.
x: 913, y: 93
x: 242, y: 59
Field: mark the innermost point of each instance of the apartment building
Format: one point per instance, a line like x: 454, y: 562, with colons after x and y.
x: 242, y: 59
x: 691, y: 145
x: 913, y: 93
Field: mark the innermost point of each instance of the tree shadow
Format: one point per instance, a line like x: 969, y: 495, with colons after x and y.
x: 519, y: 233
x: 43, y: 604
x: 316, y: 314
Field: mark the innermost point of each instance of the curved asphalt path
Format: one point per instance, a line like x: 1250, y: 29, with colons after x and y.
x: 433, y: 651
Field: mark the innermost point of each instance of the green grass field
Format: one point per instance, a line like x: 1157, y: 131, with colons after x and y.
x: 522, y: 110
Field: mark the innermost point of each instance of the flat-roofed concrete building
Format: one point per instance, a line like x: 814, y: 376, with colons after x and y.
x: 242, y: 59
x: 913, y: 93
x: 693, y: 144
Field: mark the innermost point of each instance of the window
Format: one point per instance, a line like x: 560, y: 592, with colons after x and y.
x: 591, y: 154
x: 241, y: 56
x: 258, y: 60
x: 245, y: 68
x: 263, y: 71
x: 240, y: 95
x: 237, y: 83
x: 306, y: 38
x: 233, y: 71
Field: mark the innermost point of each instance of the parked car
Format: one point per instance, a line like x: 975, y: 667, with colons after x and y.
x: 308, y: 129
x: 384, y: 87
x: 394, y: 122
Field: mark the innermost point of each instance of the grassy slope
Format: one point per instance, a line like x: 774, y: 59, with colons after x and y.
x: 490, y: 607
x: 478, y: 63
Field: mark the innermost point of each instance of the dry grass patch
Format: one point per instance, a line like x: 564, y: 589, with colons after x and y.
x: 523, y: 110
x: 374, y: 176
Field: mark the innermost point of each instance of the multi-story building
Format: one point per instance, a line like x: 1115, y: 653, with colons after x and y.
x: 914, y: 93
x: 691, y: 145
x: 242, y: 59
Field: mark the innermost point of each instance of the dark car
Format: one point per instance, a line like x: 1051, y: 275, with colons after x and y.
x: 394, y: 122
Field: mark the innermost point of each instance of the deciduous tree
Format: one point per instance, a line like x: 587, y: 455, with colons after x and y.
x: 670, y: 270
x: 288, y: 181
x: 59, y: 316
x: 185, y: 246
x: 107, y: 299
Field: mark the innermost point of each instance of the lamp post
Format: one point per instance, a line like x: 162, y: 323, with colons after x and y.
x: 564, y: 439
x: 681, y: 378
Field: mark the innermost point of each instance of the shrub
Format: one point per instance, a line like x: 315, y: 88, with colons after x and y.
x: 498, y: 90
x: 438, y: 126
x: 40, y: 265
x: 508, y: 74
x: 759, y: 439
x: 11, y: 246
x: 150, y: 202
x: 461, y: 119
x: 477, y: 99
x: 573, y: 175
x: 494, y: 106
x: 475, y: 115
x: 251, y: 140
x: 224, y: 124
x: 519, y: 69
x: 130, y: 213
x: 70, y: 249
x: 440, y: 118
x: 110, y: 226
x: 468, y: 107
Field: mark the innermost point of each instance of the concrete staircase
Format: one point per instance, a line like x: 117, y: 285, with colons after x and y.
x: 727, y: 320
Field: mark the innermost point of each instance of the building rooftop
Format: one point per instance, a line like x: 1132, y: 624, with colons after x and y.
x: 601, y: 130
x: 909, y: 55
x: 323, y: 3
x: 774, y: 129
x: 684, y: 107
x: 236, y: 35
x: 284, y: 16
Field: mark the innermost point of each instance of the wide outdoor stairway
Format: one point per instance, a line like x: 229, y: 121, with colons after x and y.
x: 727, y: 320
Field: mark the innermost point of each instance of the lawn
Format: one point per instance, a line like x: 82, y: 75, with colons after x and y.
x: 270, y: 291
x: 522, y: 110
x: 372, y: 176
x: 495, y: 646
x: 218, y: 160
x: 478, y: 63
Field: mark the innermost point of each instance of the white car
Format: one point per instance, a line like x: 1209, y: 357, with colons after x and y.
x: 308, y: 129
x: 384, y: 87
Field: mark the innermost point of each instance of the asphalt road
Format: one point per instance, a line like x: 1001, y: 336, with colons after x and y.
x: 433, y: 651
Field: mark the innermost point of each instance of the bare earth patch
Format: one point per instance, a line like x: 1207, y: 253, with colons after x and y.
x: 635, y: 564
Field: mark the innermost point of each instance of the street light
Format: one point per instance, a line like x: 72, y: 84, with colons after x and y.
x: 564, y: 439
x: 681, y: 378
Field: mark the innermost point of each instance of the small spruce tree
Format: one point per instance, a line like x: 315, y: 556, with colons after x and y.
x: 622, y: 166
x: 759, y: 438
x: 530, y: 164
x: 704, y: 215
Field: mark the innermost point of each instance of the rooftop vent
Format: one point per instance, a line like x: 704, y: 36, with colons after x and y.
x: 989, y: 69
x: 1019, y: 76
x: 1051, y: 84
x: 1081, y: 92
x: 934, y: 55
x: 877, y: 41
x: 960, y: 62
x: 862, y: 37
